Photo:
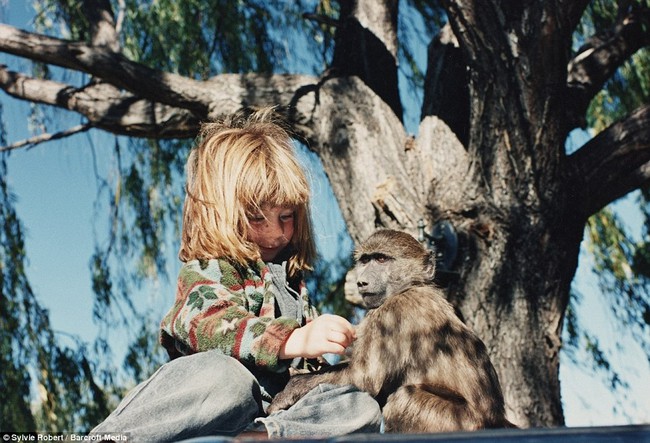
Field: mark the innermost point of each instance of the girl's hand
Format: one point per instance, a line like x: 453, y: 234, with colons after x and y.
x: 326, y: 334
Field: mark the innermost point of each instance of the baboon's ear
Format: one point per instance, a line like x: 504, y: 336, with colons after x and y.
x: 430, y: 265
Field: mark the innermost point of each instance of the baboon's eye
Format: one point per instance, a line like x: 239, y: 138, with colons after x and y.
x: 364, y: 259
x: 381, y: 258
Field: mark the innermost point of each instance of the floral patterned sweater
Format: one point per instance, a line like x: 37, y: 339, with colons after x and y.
x: 232, y: 308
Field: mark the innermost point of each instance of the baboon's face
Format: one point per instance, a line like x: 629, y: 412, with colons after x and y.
x: 389, y: 262
x: 373, y: 275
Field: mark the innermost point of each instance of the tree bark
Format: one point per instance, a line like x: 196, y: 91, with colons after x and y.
x: 446, y: 92
x: 366, y: 47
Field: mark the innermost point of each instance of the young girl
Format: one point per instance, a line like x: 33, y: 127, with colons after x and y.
x: 242, y: 316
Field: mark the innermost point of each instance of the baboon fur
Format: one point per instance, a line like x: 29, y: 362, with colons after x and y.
x: 425, y: 367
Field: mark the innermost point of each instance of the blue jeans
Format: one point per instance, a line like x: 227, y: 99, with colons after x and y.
x: 212, y: 394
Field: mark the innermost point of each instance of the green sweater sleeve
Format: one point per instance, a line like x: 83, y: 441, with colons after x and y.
x: 232, y: 309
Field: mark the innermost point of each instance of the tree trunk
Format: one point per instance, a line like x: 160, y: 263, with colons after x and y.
x: 518, y: 245
x: 513, y: 290
x: 508, y: 290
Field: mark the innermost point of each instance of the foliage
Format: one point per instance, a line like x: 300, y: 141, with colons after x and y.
x: 15, y: 402
x: 630, y: 86
x: 144, y: 356
x: 327, y: 285
x: 626, y: 91
x: 69, y: 397
x: 621, y: 269
x: 210, y: 36
x: 620, y: 258
x: 621, y: 266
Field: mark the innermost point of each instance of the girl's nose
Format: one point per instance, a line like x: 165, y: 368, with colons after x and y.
x: 275, y: 229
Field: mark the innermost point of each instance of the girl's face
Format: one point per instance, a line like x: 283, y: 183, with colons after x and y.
x: 271, y: 229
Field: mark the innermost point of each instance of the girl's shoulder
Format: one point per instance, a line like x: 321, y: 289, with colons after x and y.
x: 221, y: 269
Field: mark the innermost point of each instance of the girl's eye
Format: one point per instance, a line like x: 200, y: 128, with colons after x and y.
x: 286, y: 217
x: 255, y: 218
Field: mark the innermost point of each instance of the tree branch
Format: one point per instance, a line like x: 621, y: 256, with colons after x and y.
x: 599, y: 58
x: 104, y: 106
x: 613, y: 163
x: 322, y: 19
x: 42, y: 138
x: 571, y: 12
x: 366, y: 47
x: 446, y: 90
x: 101, y: 62
x: 102, y: 23
x: 108, y: 108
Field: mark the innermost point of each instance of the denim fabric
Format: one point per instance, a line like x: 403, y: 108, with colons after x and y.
x: 327, y: 410
x: 202, y: 394
x: 212, y: 394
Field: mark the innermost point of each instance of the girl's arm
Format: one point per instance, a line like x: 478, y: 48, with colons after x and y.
x: 216, y: 308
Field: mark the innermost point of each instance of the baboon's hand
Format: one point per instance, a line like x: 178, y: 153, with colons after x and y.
x: 298, y: 387
x: 281, y: 401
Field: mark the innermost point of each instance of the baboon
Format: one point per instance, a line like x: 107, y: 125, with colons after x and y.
x: 425, y: 367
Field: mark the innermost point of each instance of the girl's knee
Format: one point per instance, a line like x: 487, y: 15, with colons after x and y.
x: 215, y: 371
x: 368, y: 409
x: 221, y: 393
x: 209, y: 376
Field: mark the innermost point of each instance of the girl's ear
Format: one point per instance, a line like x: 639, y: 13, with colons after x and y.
x: 430, y: 265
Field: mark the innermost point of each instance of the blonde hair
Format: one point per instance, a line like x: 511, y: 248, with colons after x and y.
x: 237, y: 166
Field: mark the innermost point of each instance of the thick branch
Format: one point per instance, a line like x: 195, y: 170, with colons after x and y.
x: 446, y: 93
x: 571, y: 12
x: 122, y: 113
x: 516, y: 70
x: 104, y: 106
x: 102, y: 23
x: 601, y: 56
x: 366, y: 47
x: 101, y: 62
x: 613, y: 163
x: 381, y: 19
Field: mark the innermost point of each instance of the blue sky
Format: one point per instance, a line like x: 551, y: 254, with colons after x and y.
x: 57, y: 202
